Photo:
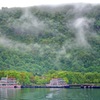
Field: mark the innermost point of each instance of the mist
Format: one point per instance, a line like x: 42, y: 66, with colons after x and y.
x: 82, y: 28
x: 27, y: 24
x: 60, y: 37
x: 18, y: 46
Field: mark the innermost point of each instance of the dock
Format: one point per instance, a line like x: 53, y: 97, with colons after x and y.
x: 83, y: 86
x: 44, y: 86
x: 71, y: 86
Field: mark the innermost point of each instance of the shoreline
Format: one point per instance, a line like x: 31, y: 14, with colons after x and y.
x: 68, y: 86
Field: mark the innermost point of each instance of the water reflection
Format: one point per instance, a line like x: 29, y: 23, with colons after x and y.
x: 49, y: 94
x: 8, y: 93
x: 74, y: 94
x: 53, y: 91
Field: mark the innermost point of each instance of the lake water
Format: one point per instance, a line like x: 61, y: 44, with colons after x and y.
x: 49, y: 94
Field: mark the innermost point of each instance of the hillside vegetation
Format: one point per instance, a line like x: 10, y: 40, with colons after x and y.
x: 27, y: 78
x: 43, y: 38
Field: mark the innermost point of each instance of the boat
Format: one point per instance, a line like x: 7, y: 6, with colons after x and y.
x: 57, y: 83
x: 6, y: 82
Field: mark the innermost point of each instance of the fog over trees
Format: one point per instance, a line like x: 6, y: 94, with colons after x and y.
x: 43, y: 38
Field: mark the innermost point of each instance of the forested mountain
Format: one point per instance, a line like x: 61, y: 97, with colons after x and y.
x: 42, y: 38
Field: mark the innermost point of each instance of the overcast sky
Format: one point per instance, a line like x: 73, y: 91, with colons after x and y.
x: 26, y: 3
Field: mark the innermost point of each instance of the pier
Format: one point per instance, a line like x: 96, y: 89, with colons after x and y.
x: 72, y: 86
x: 44, y: 86
x: 83, y: 86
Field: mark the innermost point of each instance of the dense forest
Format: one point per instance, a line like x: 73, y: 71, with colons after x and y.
x: 27, y: 78
x: 43, y: 38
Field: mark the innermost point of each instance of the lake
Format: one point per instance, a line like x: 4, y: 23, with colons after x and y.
x: 49, y: 94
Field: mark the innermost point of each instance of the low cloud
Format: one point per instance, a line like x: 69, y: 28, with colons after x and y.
x: 27, y: 24
x: 8, y: 43
x: 82, y: 27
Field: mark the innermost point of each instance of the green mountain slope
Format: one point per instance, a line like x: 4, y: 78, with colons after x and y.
x: 43, y: 38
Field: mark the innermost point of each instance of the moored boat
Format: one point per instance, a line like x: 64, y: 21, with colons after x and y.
x: 57, y: 82
x: 6, y: 82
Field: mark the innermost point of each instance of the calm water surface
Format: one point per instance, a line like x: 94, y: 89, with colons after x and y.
x: 49, y: 94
